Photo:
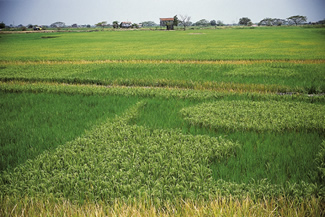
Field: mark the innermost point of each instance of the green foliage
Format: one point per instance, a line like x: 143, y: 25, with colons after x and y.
x: 258, y: 77
x: 33, y: 123
x: 237, y: 140
x: 102, y: 90
x: 118, y: 160
x: 298, y: 19
x: 244, y: 21
x: 271, y: 22
x: 225, y: 44
x: 278, y: 157
x: 176, y: 21
x: 213, y: 23
x: 159, y: 93
x: 282, y: 160
x: 202, y: 22
x: 257, y: 116
x: 320, y: 161
x: 121, y: 160
x: 58, y: 25
x: 115, y: 25
x: 149, y: 24
x: 2, y: 25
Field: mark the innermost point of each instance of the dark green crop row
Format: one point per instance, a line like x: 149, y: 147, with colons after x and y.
x: 165, y: 93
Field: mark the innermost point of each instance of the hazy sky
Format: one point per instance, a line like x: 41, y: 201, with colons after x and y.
x: 43, y: 12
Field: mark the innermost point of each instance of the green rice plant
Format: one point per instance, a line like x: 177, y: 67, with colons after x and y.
x: 279, y: 157
x: 257, y: 116
x: 237, y: 144
x: 150, y: 92
x: 276, y: 138
x: 118, y: 160
x: 217, y: 44
x: 33, y: 123
x: 257, y: 77
x: 320, y: 160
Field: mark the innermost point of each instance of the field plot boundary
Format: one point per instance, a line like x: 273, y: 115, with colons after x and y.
x: 162, y: 92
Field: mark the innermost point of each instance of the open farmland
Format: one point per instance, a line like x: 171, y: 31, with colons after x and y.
x: 224, y: 122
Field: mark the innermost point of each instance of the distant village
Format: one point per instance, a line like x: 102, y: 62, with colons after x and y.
x: 169, y: 23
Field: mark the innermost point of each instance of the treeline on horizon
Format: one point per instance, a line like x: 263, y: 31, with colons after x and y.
x: 186, y: 20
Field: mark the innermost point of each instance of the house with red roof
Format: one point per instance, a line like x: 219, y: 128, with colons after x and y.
x: 168, y: 22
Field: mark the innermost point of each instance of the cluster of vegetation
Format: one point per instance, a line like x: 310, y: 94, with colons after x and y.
x: 99, y: 124
x: 257, y: 116
x: 117, y: 160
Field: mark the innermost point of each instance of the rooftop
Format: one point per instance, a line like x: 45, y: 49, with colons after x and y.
x: 166, y: 19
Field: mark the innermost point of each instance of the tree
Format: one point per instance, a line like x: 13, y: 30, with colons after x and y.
x: 202, y: 22
x: 321, y: 22
x: 2, y: 25
x: 220, y: 23
x: 244, y: 21
x: 58, y: 25
x: 185, y: 20
x: 266, y: 22
x: 30, y: 26
x: 102, y: 24
x: 213, y: 23
x: 115, y: 24
x: 149, y: 23
x: 135, y: 25
x: 278, y: 22
x: 271, y: 22
x: 297, y: 19
x: 176, y: 21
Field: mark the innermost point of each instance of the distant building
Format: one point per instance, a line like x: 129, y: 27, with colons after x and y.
x: 126, y: 25
x: 168, y: 22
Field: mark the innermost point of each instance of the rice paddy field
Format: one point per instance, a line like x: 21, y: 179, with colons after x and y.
x: 216, y: 122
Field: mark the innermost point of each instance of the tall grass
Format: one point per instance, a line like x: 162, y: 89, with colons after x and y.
x: 218, y: 207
